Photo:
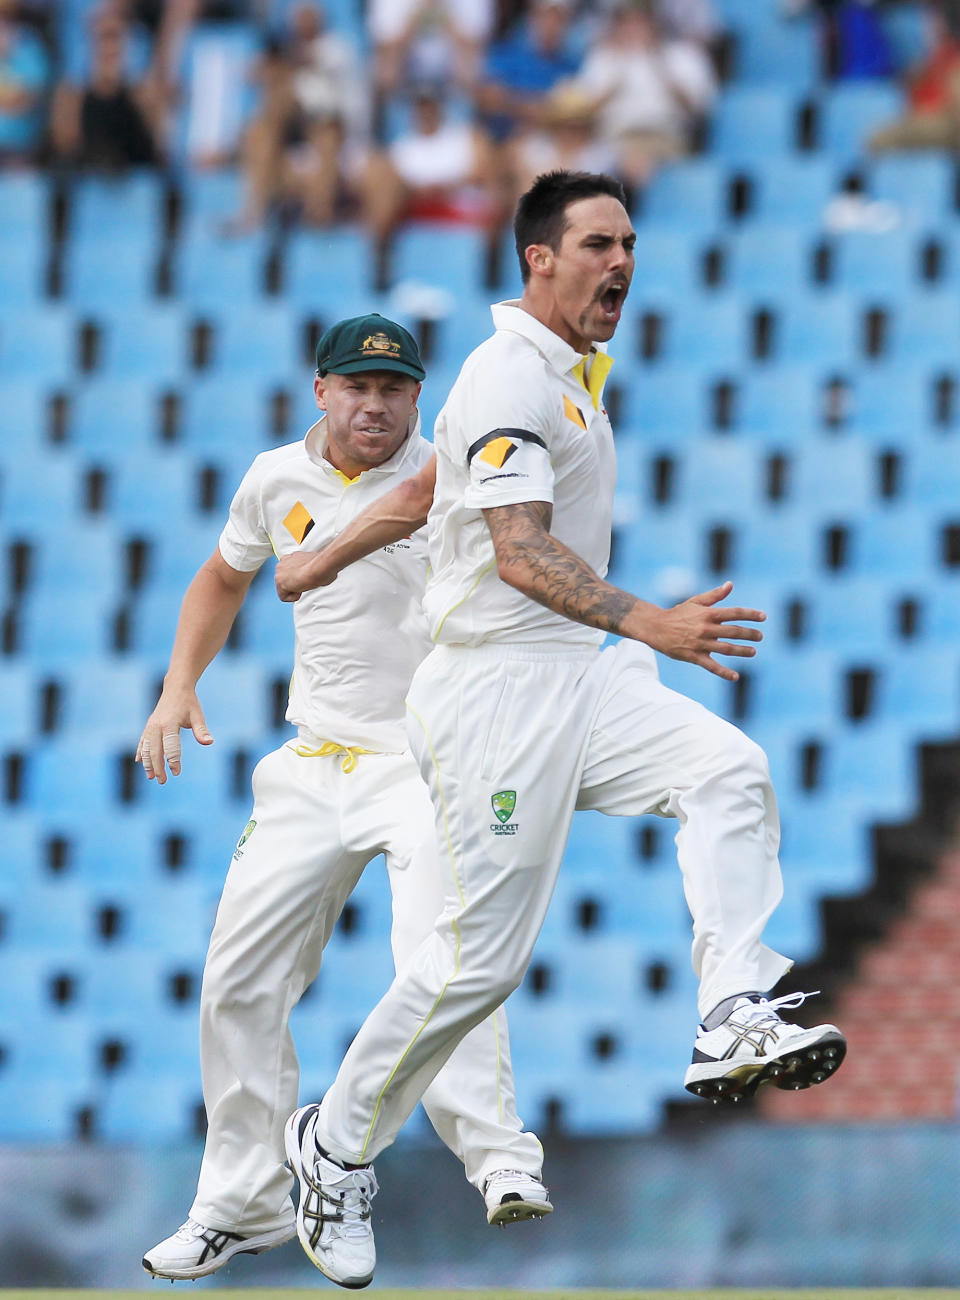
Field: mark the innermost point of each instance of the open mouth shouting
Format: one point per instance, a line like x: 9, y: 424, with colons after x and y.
x: 611, y: 299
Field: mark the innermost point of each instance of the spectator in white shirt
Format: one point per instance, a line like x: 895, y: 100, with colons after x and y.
x: 650, y: 90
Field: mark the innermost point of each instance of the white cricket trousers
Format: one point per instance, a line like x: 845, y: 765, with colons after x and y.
x: 511, y: 739
x: 317, y: 826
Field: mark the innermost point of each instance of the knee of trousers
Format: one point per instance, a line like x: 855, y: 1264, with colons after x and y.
x: 735, y: 757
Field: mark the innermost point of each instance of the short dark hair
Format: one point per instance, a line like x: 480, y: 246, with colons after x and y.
x: 541, y: 216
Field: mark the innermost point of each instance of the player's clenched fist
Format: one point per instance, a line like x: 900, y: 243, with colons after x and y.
x: 160, y: 743
x: 300, y: 572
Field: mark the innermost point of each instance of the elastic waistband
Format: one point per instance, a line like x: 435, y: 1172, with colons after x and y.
x: 532, y: 651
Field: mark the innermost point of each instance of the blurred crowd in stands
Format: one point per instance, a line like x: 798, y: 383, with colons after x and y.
x: 431, y: 108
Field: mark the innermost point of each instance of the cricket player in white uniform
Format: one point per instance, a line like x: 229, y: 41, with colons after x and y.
x: 325, y: 804
x: 517, y: 717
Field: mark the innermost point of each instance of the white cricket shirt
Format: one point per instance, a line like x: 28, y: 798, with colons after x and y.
x: 359, y: 640
x: 520, y: 424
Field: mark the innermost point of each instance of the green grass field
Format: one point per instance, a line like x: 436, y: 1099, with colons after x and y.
x: 252, y: 1293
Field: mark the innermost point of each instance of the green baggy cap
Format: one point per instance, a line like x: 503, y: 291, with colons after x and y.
x: 368, y: 343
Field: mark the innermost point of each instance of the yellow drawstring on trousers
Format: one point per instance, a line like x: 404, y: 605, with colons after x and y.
x: 350, y: 753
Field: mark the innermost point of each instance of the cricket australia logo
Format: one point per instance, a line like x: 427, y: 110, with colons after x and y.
x: 503, y: 804
x: 247, y: 832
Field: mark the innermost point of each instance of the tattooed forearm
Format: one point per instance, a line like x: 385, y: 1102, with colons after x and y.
x: 547, y: 571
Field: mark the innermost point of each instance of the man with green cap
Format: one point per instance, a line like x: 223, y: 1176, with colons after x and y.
x: 324, y: 804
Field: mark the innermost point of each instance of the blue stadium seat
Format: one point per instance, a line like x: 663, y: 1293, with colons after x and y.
x: 206, y: 781
x: 919, y: 690
x: 162, y: 914
x: 613, y: 1099
x: 108, y: 272
x: 234, y: 692
x: 176, y: 557
x: 751, y: 122
x: 713, y: 470
x: 874, y: 765
x: 826, y: 846
x: 227, y: 412
x: 763, y: 258
x: 879, y: 267
x: 933, y: 476
x: 35, y: 486
x: 833, y: 477
x: 660, y: 555
x: 117, y: 981
x: 37, y: 1112
x: 667, y: 401
x: 57, y: 630
x: 24, y: 258
x: 323, y: 265
x: 19, y: 705
x: 67, y: 557
x: 780, y: 405
x: 925, y: 327
x: 818, y: 328
x: 794, y: 190
x: 58, y: 776
x: 38, y: 343
x: 451, y: 257
x: 898, y: 543
x: 140, y: 1107
x: 706, y: 688
x: 355, y: 974
x: 688, y: 196
x: 922, y: 185
x: 117, y: 208
x: 146, y: 342
x: 708, y: 331
x: 214, y: 195
x: 24, y: 406
x: 853, y: 616
x: 778, y: 52
x: 114, y: 413
x: 939, y: 609
x: 907, y: 29
x: 893, y: 403
x: 24, y: 203
x: 107, y: 701
x: 211, y: 272
x: 263, y: 341
x: 801, y: 686
x: 48, y: 916
x: 771, y: 543
x: 126, y: 846
x: 850, y: 111
x: 155, y: 619
x: 666, y: 262
x: 137, y: 502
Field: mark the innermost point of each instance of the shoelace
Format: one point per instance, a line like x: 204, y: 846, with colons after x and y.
x: 357, y: 1189
x: 187, y: 1231
x: 766, y: 1010
x: 503, y: 1176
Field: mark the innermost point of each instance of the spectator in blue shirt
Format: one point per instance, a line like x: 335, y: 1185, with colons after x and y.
x: 24, y: 75
x: 522, y: 70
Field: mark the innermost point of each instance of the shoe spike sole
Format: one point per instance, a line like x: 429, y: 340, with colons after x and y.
x: 791, y: 1073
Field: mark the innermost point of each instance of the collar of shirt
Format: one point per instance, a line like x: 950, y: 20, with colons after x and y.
x: 315, y: 443
x: 564, y: 359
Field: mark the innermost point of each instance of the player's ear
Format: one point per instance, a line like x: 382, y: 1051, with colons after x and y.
x: 320, y: 391
x: 540, y: 259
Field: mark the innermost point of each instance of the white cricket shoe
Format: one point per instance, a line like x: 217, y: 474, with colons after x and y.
x: 512, y: 1196
x: 195, y: 1251
x: 333, y: 1217
x: 753, y: 1046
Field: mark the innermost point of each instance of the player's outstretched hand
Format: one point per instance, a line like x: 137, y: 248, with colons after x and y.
x: 160, y: 743
x: 699, y: 628
x: 301, y: 571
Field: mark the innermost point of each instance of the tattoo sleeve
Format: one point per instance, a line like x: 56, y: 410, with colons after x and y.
x: 547, y: 571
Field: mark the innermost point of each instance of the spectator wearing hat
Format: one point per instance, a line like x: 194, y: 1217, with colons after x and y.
x: 565, y: 139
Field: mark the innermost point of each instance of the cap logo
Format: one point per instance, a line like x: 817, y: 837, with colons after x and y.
x: 378, y: 345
